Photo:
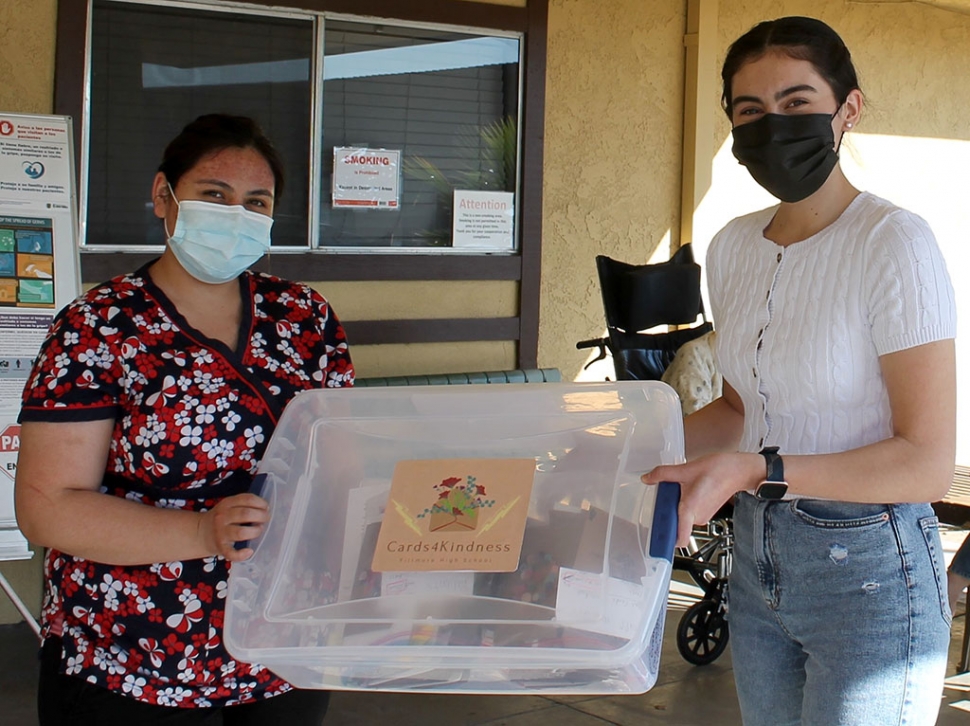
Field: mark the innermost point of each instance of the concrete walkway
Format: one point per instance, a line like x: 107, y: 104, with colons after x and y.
x: 685, y: 695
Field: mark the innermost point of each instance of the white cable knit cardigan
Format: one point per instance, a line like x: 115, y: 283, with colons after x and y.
x: 800, y: 328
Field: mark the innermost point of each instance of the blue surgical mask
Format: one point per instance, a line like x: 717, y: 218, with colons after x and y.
x: 215, y: 243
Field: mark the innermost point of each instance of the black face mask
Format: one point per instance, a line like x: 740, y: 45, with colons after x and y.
x: 790, y: 156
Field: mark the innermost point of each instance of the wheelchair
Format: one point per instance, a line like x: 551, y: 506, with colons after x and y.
x: 637, y: 298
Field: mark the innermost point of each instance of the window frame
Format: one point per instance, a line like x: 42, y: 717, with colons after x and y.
x: 321, y: 264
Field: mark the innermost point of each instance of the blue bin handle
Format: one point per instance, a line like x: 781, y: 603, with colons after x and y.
x: 663, y: 533
x: 257, y: 486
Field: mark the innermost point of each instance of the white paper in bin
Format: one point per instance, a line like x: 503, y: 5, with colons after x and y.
x: 583, y: 614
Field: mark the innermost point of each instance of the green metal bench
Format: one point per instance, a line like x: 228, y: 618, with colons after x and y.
x: 519, y: 375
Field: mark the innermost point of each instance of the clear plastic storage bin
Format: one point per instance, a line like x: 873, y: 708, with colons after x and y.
x: 578, y: 610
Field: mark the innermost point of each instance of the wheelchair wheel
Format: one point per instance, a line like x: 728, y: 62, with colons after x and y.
x: 702, y: 634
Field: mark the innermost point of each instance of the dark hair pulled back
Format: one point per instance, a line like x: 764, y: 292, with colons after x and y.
x: 212, y: 133
x: 800, y: 38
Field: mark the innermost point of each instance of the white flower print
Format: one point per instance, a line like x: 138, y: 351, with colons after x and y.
x: 172, y: 696
x: 183, y: 417
x: 220, y: 450
x: 191, y: 435
x: 254, y: 436
x: 205, y: 414
x: 159, y: 327
x: 172, y: 503
x: 336, y: 379
x: 133, y: 685
x: 110, y: 587
x: 101, y: 357
x: 112, y: 661
x: 144, y: 604
x: 151, y: 433
x: 71, y: 338
x: 206, y: 382
x: 230, y: 420
x: 104, y: 661
x: 73, y: 666
x: 54, y: 376
x: 120, y: 655
x: 186, y: 596
x: 187, y: 663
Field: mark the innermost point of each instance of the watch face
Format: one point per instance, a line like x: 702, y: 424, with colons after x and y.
x: 772, y: 490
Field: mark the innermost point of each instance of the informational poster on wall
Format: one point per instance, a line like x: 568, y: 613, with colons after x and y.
x: 484, y: 220
x: 39, y: 271
x: 366, y: 178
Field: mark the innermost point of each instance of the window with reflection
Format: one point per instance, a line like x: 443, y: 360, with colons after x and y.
x: 154, y: 68
x: 395, y: 137
x: 436, y: 114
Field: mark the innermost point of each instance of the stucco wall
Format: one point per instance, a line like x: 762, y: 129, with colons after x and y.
x: 614, y: 109
x: 27, y: 55
x: 911, y: 59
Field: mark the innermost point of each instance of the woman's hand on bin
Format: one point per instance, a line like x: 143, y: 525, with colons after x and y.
x: 707, y: 483
x: 235, y: 519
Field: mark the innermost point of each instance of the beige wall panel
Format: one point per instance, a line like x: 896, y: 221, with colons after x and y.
x: 400, y: 300
x: 425, y: 358
x: 27, y: 30
x: 27, y: 69
x: 614, y: 108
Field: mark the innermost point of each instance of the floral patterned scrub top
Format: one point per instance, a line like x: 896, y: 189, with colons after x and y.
x: 192, y: 419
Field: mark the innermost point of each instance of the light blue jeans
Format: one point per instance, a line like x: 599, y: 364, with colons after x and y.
x: 838, y: 613
x: 960, y: 564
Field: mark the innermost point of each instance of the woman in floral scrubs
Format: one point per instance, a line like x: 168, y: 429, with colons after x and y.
x: 144, y: 419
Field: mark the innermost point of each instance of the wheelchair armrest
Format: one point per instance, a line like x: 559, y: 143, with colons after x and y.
x: 592, y: 343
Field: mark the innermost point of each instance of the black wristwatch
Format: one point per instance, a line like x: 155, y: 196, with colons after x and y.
x: 774, y: 487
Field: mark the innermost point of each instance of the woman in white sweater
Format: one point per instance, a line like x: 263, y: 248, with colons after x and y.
x: 836, y: 427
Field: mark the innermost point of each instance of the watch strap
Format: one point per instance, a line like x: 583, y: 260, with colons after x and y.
x: 774, y: 466
x: 774, y: 487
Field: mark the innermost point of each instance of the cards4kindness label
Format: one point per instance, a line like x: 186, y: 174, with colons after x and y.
x: 455, y: 514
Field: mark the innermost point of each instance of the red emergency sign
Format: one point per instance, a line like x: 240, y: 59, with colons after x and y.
x: 10, y: 439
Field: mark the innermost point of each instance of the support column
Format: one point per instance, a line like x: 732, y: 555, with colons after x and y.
x: 700, y: 90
